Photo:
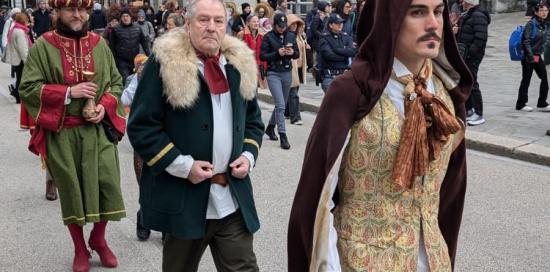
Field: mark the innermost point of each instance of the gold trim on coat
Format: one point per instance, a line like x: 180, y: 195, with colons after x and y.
x: 161, y: 154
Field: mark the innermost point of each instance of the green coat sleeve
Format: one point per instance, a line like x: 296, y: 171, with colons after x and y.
x: 145, y: 125
x: 44, y: 101
x: 254, y: 129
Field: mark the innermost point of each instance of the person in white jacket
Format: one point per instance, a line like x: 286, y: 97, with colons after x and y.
x: 17, y: 49
x: 8, y: 26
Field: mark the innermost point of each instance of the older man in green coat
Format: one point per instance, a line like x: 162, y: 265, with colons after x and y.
x: 196, y: 123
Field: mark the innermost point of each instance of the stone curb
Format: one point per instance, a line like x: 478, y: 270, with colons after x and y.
x: 480, y: 141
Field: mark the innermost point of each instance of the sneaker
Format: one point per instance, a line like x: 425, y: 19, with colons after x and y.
x: 476, y: 120
x: 299, y: 122
x: 544, y: 109
x: 526, y: 109
x: 469, y: 114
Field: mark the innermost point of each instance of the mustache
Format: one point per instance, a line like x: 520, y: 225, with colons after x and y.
x: 428, y: 36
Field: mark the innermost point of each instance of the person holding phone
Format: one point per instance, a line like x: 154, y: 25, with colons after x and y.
x: 278, y: 48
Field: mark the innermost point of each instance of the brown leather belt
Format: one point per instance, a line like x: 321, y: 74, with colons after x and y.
x: 220, y: 179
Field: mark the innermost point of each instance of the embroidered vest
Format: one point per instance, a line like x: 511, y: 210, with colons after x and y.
x: 378, y: 222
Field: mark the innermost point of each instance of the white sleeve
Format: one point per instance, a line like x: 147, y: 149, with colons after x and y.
x: 67, y: 97
x: 251, y: 159
x: 181, y: 166
x: 129, y: 91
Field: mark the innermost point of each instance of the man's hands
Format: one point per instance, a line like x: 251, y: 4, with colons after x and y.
x: 84, y: 90
x: 200, y: 171
x: 240, y: 167
x: 100, y: 110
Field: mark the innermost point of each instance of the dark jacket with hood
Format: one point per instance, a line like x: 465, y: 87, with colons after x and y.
x: 473, y: 34
x: 42, y: 22
x: 98, y: 20
x: 125, y: 40
x: 350, y: 98
x: 533, y: 46
x: 318, y: 26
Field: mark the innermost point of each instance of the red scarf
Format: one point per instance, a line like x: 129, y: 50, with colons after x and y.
x: 213, y: 74
x: 22, y: 27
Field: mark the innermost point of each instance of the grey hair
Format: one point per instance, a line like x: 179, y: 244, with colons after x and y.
x: 192, y: 8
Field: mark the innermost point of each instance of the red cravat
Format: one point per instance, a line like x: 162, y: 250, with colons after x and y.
x: 213, y: 74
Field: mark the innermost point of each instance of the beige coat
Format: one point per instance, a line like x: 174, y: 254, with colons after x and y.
x: 17, y: 49
x: 300, y: 62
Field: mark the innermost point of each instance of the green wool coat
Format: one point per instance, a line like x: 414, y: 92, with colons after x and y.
x: 169, y: 119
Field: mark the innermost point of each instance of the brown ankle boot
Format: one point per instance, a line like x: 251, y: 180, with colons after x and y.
x: 51, y: 190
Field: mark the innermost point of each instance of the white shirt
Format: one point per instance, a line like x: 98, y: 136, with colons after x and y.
x: 221, y: 202
x: 395, y: 88
x: 130, y: 90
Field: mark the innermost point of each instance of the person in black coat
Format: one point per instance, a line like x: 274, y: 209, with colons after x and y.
x: 533, y: 49
x: 319, y: 23
x: 240, y: 21
x: 98, y: 22
x: 471, y: 39
x: 336, y: 52
x: 278, y: 48
x: 124, y: 41
x: 42, y: 20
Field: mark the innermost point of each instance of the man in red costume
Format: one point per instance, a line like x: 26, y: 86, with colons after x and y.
x: 384, y: 175
x: 69, y: 70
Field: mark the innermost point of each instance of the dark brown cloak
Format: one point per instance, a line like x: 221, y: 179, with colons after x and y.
x: 351, y: 97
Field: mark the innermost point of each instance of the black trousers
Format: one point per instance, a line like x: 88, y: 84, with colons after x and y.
x: 526, y: 73
x: 18, y: 73
x: 228, y: 239
x: 475, y: 101
x: 125, y: 69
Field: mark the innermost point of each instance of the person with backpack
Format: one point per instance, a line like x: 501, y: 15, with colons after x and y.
x: 533, y: 46
x: 472, y: 38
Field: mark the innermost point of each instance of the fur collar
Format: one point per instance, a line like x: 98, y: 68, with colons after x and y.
x: 179, y: 69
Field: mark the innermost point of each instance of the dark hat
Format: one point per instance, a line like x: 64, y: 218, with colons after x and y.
x: 244, y: 5
x: 125, y: 11
x: 71, y: 3
x: 280, y: 20
x: 335, y: 19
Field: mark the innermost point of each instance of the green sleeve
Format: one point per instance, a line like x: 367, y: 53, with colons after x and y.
x: 254, y: 129
x: 33, y: 79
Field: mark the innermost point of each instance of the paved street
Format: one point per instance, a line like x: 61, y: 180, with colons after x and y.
x: 506, y: 224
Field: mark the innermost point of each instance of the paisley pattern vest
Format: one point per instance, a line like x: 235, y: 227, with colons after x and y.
x: 378, y: 222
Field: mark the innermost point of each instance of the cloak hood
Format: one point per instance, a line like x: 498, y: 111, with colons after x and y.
x: 351, y: 97
x: 371, y: 68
